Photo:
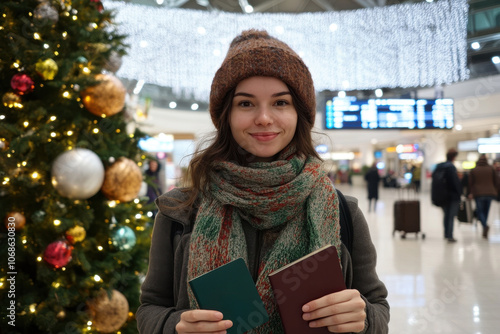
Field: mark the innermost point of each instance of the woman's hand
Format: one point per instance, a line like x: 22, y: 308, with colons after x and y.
x: 340, y: 312
x: 202, y: 321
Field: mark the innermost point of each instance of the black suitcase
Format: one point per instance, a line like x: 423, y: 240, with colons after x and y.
x: 465, y: 214
x: 407, y: 217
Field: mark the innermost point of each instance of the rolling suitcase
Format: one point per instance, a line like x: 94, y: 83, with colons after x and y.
x: 465, y: 213
x: 407, y: 217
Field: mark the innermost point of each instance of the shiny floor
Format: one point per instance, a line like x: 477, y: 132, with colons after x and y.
x: 435, y: 286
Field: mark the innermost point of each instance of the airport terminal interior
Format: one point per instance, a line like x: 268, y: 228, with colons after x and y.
x: 434, y: 286
x: 373, y: 62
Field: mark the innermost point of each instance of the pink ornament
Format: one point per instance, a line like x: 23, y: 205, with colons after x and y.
x: 57, y: 254
x: 22, y: 84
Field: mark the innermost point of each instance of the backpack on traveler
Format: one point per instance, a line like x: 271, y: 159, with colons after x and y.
x: 440, y: 188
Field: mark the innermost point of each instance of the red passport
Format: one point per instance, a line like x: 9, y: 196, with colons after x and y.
x: 310, y: 277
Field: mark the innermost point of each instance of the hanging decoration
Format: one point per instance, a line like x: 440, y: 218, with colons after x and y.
x: 76, y: 234
x: 108, y: 315
x: 11, y: 100
x: 22, y: 84
x: 124, y: 238
x: 77, y: 174
x: 15, y: 219
x: 407, y: 45
x: 114, y: 62
x: 122, y: 181
x: 47, y: 68
x: 57, y: 254
x: 45, y: 12
x: 106, y: 98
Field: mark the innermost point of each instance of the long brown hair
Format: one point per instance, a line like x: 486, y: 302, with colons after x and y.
x: 223, y: 147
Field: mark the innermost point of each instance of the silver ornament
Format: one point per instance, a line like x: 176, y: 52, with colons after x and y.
x: 77, y: 174
x: 45, y: 11
x: 114, y: 62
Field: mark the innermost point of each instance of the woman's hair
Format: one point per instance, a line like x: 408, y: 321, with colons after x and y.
x: 224, y: 148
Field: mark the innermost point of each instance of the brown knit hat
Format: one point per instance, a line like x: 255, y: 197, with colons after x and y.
x: 255, y: 53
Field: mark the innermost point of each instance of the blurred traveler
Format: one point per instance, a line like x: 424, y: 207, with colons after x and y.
x: 483, y: 181
x: 446, y: 192
x: 372, y: 180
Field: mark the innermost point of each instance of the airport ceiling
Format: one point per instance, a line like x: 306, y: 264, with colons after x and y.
x: 274, y: 6
x: 482, y: 14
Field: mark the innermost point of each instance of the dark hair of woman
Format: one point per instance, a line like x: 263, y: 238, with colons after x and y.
x: 225, y: 148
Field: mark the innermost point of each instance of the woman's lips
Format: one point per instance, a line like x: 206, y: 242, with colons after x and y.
x: 264, y: 136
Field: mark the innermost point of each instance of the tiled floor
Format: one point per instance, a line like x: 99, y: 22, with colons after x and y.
x: 434, y: 286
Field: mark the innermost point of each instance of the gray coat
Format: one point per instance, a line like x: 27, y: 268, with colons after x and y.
x: 164, y: 292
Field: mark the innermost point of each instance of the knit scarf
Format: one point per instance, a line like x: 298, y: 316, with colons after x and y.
x: 292, y: 191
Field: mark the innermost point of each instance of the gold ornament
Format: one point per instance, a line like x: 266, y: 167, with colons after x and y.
x: 11, y: 100
x: 47, y: 68
x: 122, y: 180
x: 15, y: 220
x: 107, y: 97
x: 108, y: 315
x: 61, y: 315
x: 76, y: 234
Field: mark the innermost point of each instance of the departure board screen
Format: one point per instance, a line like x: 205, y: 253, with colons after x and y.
x: 414, y: 114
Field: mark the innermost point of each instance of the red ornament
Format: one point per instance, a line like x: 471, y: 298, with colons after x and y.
x: 57, y: 254
x: 22, y: 84
x: 99, y: 5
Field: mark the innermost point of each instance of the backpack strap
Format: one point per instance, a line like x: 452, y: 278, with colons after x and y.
x: 345, y: 218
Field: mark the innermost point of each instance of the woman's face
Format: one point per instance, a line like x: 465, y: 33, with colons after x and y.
x: 262, y: 118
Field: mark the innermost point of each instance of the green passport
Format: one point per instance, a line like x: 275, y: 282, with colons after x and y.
x: 231, y: 290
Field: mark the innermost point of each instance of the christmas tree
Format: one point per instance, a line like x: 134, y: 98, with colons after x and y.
x: 75, y: 238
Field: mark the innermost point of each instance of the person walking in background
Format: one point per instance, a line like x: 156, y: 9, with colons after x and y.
x: 416, y: 173
x: 483, y: 180
x: 447, y: 191
x: 258, y: 191
x: 372, y: 179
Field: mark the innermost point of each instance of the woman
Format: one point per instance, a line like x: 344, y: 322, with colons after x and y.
x: 258, y: 192
x: 482, y: 187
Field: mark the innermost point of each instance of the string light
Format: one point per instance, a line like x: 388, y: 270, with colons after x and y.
x: 35, y: 175
x: 26, y: 123
x: 69, y: 133
x: 57, y: 222
x: 53, y: 118
x: 409, y: 45
x: 96, y: 130
x: 66, y: 94
x: 33, y: 308
x: 36, y: 36
x: 100, y: 248
x: 97, y: 278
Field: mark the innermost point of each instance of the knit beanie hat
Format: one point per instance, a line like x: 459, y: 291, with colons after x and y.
x: 255, y: 53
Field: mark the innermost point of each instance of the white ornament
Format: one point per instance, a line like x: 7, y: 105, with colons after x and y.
x: 77, y: 174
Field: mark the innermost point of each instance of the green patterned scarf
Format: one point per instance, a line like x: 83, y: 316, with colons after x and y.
x: 293, y: 190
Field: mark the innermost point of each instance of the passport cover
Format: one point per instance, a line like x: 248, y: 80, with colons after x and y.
x: 231, y: 290
x: 310, y: 277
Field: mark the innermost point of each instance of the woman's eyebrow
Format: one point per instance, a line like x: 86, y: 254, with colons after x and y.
x: 250, y: 95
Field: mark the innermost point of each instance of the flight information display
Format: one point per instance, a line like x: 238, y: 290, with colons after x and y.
x: 350, y: 113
